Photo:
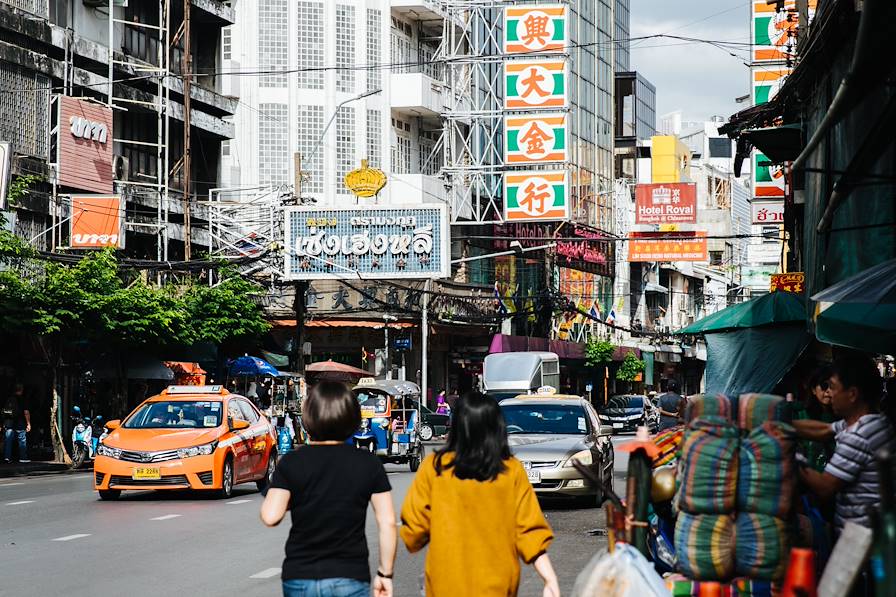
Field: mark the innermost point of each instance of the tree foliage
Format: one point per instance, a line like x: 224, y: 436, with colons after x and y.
x: 631, y: 367
x: 598, y: 352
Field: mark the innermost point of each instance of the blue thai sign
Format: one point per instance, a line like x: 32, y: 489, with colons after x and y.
x: 367, y: 242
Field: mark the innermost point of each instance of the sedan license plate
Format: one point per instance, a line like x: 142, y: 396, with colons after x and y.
x: 617, y: 425
x: 534, y: 476
x: 147, y: 472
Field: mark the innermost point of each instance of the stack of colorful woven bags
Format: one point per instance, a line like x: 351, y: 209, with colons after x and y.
x: 736, y: 476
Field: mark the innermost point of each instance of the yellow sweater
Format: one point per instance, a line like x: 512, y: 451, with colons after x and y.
x: 477, y: 531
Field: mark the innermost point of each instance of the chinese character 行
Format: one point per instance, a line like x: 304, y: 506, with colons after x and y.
x: 534, y: 196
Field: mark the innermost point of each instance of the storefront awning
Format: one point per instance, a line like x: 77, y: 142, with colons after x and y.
x: 344, y: 323
x: 562, y: 348
x: 772, y: 308
x: 655, y: 288
x: 778, y: 143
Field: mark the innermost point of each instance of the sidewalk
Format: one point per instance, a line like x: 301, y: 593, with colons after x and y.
x: 15, y: 469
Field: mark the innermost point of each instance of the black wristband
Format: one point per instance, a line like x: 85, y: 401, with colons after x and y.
x: 382, y: 574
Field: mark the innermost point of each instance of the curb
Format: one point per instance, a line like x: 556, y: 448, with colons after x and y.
x: 34, y: 468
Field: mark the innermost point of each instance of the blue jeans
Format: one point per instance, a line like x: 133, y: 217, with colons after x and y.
x: 327, y: 587
x: 7, y: 444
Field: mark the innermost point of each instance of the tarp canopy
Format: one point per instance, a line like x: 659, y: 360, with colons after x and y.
x: 772, y: 308
x: 752, y: 359
x: 247, y: 365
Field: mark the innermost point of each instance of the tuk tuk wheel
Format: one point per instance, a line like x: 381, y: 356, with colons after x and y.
x: 415, y: 460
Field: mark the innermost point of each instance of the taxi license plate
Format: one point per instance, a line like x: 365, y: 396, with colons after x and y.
x: 147, y: 472
x: 617, y: 425
x: 534, y: 476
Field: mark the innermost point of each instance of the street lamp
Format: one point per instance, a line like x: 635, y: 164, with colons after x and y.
x: 333, y: 117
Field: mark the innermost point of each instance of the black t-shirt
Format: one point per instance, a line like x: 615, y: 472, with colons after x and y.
x: 331, y: 486
x: 14, y: 412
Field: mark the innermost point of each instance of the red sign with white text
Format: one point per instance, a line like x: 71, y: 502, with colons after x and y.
x: 667, y: 246
x: 84, y: 145
x: 666, y: 203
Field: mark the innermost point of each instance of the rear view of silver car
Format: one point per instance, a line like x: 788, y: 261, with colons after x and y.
x: 547, y: 434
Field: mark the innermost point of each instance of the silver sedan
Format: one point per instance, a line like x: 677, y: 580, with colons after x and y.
x: 546, y: 434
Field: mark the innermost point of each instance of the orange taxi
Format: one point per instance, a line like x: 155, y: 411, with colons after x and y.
x: 187, y: 437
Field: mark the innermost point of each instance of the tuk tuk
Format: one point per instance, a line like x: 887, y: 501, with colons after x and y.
x: 389, y: 420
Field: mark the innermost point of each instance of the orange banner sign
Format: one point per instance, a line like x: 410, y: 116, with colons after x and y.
x: 97, y: 222
x: 667, y: 246
x: 790, y: 282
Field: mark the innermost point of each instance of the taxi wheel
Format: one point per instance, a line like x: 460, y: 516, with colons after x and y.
x: 110, y: 494
x: 263, y: 483
x: 226, y: 490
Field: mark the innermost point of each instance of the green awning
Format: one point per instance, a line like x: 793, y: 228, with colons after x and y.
x: 775, y: 307
x: 779, y: 143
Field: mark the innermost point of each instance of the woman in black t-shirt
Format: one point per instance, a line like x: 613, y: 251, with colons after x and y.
x: 327, y: 485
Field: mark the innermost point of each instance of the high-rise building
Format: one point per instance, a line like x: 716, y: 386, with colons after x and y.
x: 622, y: 45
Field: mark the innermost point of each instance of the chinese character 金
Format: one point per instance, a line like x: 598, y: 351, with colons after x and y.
x: 368, y: 298
x: 340, y: 299
x: 534, y: 139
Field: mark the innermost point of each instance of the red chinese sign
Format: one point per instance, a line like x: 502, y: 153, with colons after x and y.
x: 790, y: 282
x: 667, y: 246
x: 666, y: 203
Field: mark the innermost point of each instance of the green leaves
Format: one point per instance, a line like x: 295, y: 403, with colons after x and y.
x: 598, y: 352
x: 631, y: 367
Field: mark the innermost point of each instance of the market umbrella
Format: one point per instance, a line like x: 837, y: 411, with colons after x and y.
x: 860, y: 311
x: 771, y: 308
x: 333, y: 371
x: 247, y: 365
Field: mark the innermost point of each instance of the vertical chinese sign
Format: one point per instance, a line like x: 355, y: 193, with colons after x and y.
x: 535, y: 139
x: 535, y: 28
x: 533, y: 196
x: 535, y: 84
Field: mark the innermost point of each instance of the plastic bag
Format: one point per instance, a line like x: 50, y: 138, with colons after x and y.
x: 623, y: 573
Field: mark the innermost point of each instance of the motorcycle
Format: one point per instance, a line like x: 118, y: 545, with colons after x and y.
x: 82, y: 438
x: 98, y: 434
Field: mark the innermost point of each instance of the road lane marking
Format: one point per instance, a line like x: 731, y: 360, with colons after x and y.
x: 19, y: 503
x: 166, y: 517
x: 270, y: 572
x: 70, y: 537
x: 10, y: 484
x: 235, y: 502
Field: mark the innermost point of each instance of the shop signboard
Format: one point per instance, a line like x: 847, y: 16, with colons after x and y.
x: 535, y: 139
x: 536, y: 196
x: 767, y: 212
x: 667, y: 246
x: 766, y: 252
x: 666, y: 203
x: 84, y: 145
x: 535, y: 84
x: 97, y: 222
x: 768, y: 178
x: 774, y: 31
x: 539, y: 28
x: 365, y: 243
x: 789, y: 282
x: 595, y: 256
x: 767, y: 81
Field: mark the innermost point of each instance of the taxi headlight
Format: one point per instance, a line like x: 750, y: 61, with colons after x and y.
x: 203, y: 450
x: 104, y: 450
x: 584, y: 457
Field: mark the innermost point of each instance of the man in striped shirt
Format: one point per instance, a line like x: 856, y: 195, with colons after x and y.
x: 851, y: 474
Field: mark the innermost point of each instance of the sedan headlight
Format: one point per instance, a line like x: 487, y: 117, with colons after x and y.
x: 203, y: 450
x: 104, y: 450
x: 584, y: 457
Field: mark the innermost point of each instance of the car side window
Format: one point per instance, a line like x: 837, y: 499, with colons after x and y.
x: 233, y: 410
x: 595, y: 421
x: 249, y: 413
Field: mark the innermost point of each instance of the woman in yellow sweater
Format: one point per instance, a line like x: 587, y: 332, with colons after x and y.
x: 473, y: 504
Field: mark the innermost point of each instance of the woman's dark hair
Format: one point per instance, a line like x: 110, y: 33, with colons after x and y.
x: 478, y: 438
x: 331, y: 412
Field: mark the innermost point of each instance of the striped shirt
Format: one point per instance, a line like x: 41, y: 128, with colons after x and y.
x: 853, y: 463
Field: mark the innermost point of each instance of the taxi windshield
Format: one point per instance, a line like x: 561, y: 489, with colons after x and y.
x: 177, y: 414
x: 548, y: 419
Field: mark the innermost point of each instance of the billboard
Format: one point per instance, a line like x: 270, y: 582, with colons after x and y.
x: 535, y: 84
x: 97, y: 222
x: 535, y: 28
x: 767, y: 212
x: 84, y: 145
x: 790, y: 282
x: 768, y: 178
x: 774, y: 32
x: 666, y: 203
x: 667, y: 246
x: 595, y: 256
x: 369, y: 242
x: 536, y: 196
x: 767, y: 82
x: 535, y: 139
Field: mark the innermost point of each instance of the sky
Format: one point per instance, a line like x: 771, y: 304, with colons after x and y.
x: 698, y: 79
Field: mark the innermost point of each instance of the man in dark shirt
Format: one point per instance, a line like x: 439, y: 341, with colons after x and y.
x: 670, y: 406
x: 16, y: 424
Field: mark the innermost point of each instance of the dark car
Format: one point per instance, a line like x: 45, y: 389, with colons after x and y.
x: 431, y: 422
x: 628, y: 412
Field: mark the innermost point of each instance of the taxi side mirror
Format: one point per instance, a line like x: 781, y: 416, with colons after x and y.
x: 239, y: 424
x: 606, y: 430
x: 113, y: 424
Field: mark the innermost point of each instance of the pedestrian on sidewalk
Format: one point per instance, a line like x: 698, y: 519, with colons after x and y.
x: 671, y: 406
x: 327, y: 485
x: 473, y: 504
x: 16, y: 424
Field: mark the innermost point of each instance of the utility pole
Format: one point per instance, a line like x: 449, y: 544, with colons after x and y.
x: 187, y: 63
x: 301, y: 286
x: 424, y: 344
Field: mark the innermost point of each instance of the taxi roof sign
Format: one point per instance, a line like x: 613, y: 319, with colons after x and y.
x: 367, y: 381
x: 546, y: 390
x: 174, y: 390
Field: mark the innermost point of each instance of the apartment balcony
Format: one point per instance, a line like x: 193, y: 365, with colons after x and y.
x: 412, y: 189
x: 418, y: 10
x: 417, y: 95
